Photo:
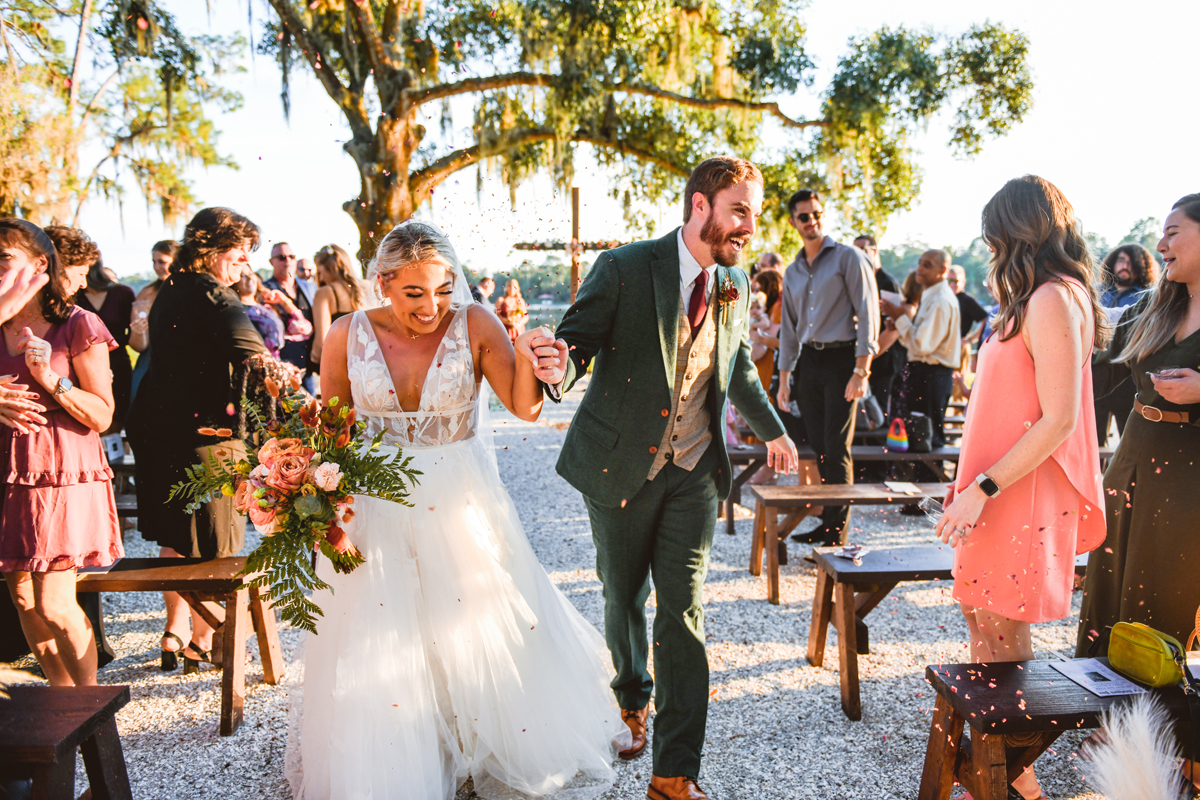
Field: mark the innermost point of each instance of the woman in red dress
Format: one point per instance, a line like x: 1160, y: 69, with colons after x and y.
x: 512, y: 310
x: 57, y: 510
x: 1027, y: 496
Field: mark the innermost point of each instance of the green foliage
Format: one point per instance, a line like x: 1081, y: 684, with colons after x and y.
x: 653, y: 86
x: 146, y: 107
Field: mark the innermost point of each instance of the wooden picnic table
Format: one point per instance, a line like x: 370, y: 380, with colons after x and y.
x: 41, y: 727
x: 754, y: 457
x: 205, y: 586
x: 848, y: 591
x: 795, y: 501
x: 1015, y: 711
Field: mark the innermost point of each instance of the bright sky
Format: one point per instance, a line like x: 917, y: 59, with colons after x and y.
x: 1113, y: 125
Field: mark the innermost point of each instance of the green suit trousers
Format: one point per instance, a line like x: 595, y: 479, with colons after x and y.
x: 665, y: 531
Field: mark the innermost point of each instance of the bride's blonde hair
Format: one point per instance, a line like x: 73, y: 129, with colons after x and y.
x: 412, y: 244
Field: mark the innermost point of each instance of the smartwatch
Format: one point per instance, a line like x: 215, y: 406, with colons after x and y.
x: 63, y: 386
x: 989, y: 486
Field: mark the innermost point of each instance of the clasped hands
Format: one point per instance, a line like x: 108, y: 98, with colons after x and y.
x: 547, y: 354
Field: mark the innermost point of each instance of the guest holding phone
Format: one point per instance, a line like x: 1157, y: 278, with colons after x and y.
x: 1027, y: 495
x: 1146, y: 571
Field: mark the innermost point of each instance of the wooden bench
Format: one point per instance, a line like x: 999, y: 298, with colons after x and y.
x: 40, y: 727
x: 847, y: 592
x: 127, y: 505
x: 795, y: 502
x: 205, y: 586
x: 754, y: 457
x: 1015, y: 711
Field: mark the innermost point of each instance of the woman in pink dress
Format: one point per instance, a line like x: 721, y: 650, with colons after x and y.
x: 1028, y: 496
x: 57, y: 510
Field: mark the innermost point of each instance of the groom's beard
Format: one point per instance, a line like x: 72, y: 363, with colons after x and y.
x: 720, y: 243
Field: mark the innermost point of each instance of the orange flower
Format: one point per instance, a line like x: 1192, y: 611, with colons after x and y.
x: 242, y: 496
x: 342, y: 440
x: 272, y: 387
x: 224, y: 433
x: 310, y: 414
x: 206, y: 431
x: 338, y: 539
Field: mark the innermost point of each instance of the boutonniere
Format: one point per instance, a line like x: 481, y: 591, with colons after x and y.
x: 726, y: 298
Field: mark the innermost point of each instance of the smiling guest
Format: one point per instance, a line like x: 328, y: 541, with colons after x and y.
x: 828, y: 334
x: 1146, y: 571
x: 200, y: 336
x: 57, y: 511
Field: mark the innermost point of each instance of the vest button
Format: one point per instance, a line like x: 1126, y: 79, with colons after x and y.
x: 674, y: 438
x: 666, y: 411
x: 653, y: 450
x: 679, y: 418
x: 683, y: 399
x: 687, y: 377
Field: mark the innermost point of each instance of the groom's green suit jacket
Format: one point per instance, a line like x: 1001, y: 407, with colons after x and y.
x: 625, y: 320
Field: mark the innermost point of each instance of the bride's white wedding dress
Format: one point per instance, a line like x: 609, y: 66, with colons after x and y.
x: 449, y: 653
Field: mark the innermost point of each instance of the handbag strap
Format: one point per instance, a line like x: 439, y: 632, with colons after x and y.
x: 1191, y: 691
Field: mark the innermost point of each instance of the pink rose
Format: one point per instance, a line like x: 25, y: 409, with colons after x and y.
x: 270, y: 452
x: 288, y: 472
x: 261, y: 517
x: 242, y: 497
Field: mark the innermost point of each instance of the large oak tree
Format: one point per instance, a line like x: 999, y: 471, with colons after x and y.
x: 653, y: 86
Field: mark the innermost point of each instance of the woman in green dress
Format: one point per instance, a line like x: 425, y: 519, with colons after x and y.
x: 1146, y: 569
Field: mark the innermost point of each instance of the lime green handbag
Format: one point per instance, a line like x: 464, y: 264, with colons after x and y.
x: 1148, y: 656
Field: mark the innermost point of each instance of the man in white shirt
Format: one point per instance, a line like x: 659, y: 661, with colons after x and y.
x: 931, y: 334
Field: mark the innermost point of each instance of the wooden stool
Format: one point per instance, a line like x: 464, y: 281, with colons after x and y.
x: 847, y: 592
x: 1015, y: 710
x: 40, y: 727
x: 205, y: 586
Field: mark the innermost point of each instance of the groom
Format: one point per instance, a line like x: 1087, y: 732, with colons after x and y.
x: 664, y: 324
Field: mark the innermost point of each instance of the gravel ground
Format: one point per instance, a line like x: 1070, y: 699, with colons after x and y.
x: 775, y: 727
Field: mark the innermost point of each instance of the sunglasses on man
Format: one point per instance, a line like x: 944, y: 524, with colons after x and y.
x: 803, y: 216
x: 288, y: 257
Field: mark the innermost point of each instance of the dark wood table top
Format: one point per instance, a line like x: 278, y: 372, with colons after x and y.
x: 925, y: 562
x: 42, y: 724
x: 217, y: 575
x: 124, y: 464
x: 1029, y: 696
x: 858, y: 452
x: 840, y: 494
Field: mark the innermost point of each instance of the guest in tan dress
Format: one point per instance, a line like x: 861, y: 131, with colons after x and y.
x: 57, y: 510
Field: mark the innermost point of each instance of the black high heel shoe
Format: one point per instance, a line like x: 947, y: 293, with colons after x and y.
x: 170, y: 658
x: 191, y: 665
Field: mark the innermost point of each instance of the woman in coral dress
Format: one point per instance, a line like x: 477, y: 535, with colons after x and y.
x: 1028, y: 497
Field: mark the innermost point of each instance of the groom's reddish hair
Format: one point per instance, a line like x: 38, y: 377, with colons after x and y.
x: 717, y: 174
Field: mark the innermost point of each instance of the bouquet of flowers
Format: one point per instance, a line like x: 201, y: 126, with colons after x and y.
x: 297, y: 485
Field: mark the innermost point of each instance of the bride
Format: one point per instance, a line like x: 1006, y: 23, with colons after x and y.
x: 449, y: 653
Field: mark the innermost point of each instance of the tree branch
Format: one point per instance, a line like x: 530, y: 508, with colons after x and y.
x: 87, y: 112
x: 422, y: 182
x: 319, y: 62
x: 364, y: 18
x: 472, y: 85
x: 719, y: 102
x: 77, y: 66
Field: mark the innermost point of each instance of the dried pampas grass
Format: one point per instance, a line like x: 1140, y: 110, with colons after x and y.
x: 1138, y: 759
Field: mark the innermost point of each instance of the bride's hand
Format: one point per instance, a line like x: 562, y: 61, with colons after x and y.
x: 547, y: 354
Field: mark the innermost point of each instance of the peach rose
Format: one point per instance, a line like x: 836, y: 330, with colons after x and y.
x: 261, y: 517
x: 270, y: 452
x: 242, y: 496
x: 289, y: 472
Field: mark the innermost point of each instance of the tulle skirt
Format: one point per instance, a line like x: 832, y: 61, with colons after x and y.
x: 450, y: 654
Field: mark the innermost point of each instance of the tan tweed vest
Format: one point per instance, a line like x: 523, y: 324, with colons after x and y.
x: 689, y: 428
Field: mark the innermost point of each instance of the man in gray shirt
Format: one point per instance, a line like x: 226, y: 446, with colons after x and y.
x: 828, y: 334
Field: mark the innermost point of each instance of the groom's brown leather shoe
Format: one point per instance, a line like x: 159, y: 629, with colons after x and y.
x: 636, y: 720
x: 674, y: 789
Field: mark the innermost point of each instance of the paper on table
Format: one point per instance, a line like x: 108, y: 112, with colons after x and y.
x: 893, y: 298
x: 902, y: 487
x: 1097, y: 678
x: 96, y: 570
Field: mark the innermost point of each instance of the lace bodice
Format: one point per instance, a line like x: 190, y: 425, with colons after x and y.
x: 449, y: 396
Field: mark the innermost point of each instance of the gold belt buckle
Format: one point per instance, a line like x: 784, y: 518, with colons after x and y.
x: 1146, y: 413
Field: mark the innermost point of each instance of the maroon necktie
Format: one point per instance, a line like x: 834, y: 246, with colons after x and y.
x: 698, y: 306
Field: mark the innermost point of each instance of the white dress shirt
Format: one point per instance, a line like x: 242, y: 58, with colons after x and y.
x: 689, y: 270
x: 933, y: 336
